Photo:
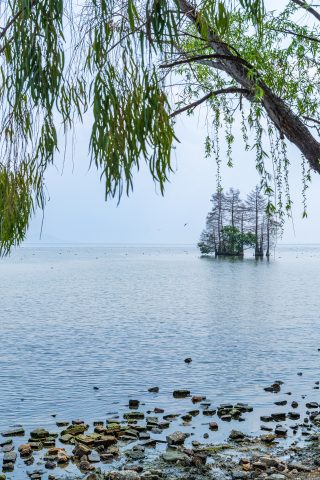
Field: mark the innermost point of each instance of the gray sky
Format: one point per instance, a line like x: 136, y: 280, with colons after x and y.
x: 77, y: 211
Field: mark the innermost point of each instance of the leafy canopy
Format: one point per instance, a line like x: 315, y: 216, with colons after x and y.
x: 60, y: 60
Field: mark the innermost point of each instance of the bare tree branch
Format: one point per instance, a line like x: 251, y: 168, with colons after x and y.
x: 308, y: 8
x: 311, y: 120
x: 313, y: 39
x: 204, y: 57
x: 206, y: 97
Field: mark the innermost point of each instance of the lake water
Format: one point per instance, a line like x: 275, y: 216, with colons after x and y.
x: 124, y: 318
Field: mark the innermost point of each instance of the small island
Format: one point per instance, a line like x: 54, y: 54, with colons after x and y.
x: 234, y: 225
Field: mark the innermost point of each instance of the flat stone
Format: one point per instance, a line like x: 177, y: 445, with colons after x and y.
x: 278, y: 416
x: 62, y: 424
x: 293, y: 415
x: 280, y: 431
x: 106, y: 456
x: 105, y: 441
x: 94, y: 458
x: 40, y: 433
x: 173, y: 457
x: 74, y: 429
x: 8, y: 467
x: 209, y: 412
x: 7, y: 448
x: 266, y: 418
x: 9, y: 457
x: 13, y: 433
x: 156, y: 431
x: 77, y: 422
x: 137, y: 415
x: 226, y: 418
x: 38, y: 471
x: 66, y: 438
x: 181, y: 393
x: 312, y: 405
x: 299, y: 466
x: 153, y: 389
x: 6, y: 442
x: 144, y: 436
x: 238, y: 475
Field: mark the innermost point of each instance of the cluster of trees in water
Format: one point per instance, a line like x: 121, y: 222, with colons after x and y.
x: 233, y: 225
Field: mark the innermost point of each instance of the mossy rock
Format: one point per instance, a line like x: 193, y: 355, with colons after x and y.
x: 193, y: 413
x: 74, y: 430
x: 62, y: 424
x: 3, y: 477
x: 113, y: 426
x: 186, y: 418
x: 40, y: 433
x: 66, y: 438
x: 137, y: 415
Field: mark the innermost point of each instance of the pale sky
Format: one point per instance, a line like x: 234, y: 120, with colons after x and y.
x: 77, y: 211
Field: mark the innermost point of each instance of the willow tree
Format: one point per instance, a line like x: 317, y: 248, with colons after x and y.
x: 123, y: 60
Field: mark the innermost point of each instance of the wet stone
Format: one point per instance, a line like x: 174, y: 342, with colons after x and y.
x: 153, y: 390
x: 13, y: 433
x: 174, y: 456
x: 235, y: 434
x: 226, y: 418
x: 312, y: 405
x: 94, y: 458
x: 181, y: 393
x: 177, y: 438
x: 39, y: 433
x: 278, y: 416
x: 238, y: 475
x: 137, y: 415
x: 9, y: 457
x: 293, y: 415
x: 6, y: 442
x: 62, y: 424
x: 265, y: 428
x: 280, y: 430
x: 209, y: 412
x: 8, y: 467
x: 266, y: 418
x: 7, y: 448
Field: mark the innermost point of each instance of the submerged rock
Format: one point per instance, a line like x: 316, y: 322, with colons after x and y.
x: 153, y: 389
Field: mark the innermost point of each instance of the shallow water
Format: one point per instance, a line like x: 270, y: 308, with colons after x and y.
x: 124, y: 318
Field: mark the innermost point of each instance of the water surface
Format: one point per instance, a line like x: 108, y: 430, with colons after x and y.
x: 124, y: 318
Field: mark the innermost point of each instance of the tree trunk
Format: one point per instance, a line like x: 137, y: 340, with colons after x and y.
x: 287, y: 122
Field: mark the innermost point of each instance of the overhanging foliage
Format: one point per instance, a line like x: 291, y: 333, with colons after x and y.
x: 59, y: 60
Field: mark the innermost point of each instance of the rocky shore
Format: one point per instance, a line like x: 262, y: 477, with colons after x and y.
x: 158, y: 444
